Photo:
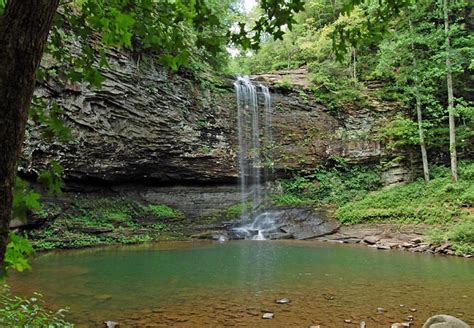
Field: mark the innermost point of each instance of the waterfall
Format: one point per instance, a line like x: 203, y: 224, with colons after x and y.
x: 254, y: 187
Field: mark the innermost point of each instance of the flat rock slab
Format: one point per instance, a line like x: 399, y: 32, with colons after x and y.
x: 294, y: 223
x: 307, y: 223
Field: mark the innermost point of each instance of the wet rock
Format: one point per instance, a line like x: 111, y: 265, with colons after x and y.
x: 383, y: 247
x: 443, y: 248
x: 400, y: 325
x: 416, y: 240
x: 103, y: 297
x: 307, y: 223
x: 421, y: 248
x: 371, y: 240
x: 268, y: 315
x: 111, y: 324
x: 297, y: 223
x: 392, y: 243
x: 212, y: 235
x: 351, y: 240
x: 253, y: 312
x: 283, y: 301
x: 380, y: 310
x: 444, y: 321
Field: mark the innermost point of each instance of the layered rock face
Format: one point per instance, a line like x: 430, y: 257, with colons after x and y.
x: 146, y: 124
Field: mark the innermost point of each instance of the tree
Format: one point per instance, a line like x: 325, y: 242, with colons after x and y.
x: 24, y: 28
x: 421, y: 133
x: 449, y: 80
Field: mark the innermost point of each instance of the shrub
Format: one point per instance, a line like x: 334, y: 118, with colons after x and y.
x: 28, y: 312
x: 337, y: 185
x: 439, y: 201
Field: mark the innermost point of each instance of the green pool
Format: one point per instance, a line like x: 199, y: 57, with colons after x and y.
x: 210, y: 284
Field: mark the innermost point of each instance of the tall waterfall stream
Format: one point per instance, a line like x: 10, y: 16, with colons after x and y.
x: 255, y: 143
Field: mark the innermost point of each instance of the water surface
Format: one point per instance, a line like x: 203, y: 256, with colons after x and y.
x: 231, y: 284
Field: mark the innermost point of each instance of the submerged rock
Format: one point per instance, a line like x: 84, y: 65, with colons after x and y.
x: 371, y: 240
x: 400, y: 325
x: 268, y: 315
x: 380, y: 310
x: 445, y: 321
x: 283, y: 301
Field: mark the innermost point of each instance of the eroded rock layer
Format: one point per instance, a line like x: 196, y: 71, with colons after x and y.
x: 147, y: 124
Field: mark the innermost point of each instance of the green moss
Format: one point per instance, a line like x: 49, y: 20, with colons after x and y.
x: 94, y: 221
x: 236, y: 210
x: 290, y: 200
x: 164, y: 211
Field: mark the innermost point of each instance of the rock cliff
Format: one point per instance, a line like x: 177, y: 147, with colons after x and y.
x: 147, y: 124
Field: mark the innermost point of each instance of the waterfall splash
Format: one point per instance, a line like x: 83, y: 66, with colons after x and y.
x: 254, y: 187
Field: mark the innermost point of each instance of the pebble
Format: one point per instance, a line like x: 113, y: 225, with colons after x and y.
x: 268, y: 315
x: 111, y: 324
x: 380, y: 310
x: 362, y: 325
x: 400, y: 325
x: 413, y: 310
x: 347, y: 321
x: 283, y: 301
x: 317, y: 326
x: 410, y: 318
x: 402, y: 305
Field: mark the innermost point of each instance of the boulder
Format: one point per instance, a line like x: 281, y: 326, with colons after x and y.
x: 445, y: 321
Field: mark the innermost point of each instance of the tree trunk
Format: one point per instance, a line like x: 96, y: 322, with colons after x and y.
x: 354, y: 63
x: 24, y: 29
x: 424, y: 157
x: 449, y: 79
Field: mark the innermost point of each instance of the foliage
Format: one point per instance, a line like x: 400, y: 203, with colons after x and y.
x: 236, y: 210
x: 347, y: 48
x: 28, y: 312
x: 164, y: 211
x: 328, y: 185
x: 439, y: 201
x: 290, y: 200
x: 24, y: 199
x: 92, y: 221
x: 460, y: 234
x: 18, y: 249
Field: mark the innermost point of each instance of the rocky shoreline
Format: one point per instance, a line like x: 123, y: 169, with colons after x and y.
x: 386, y: 236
